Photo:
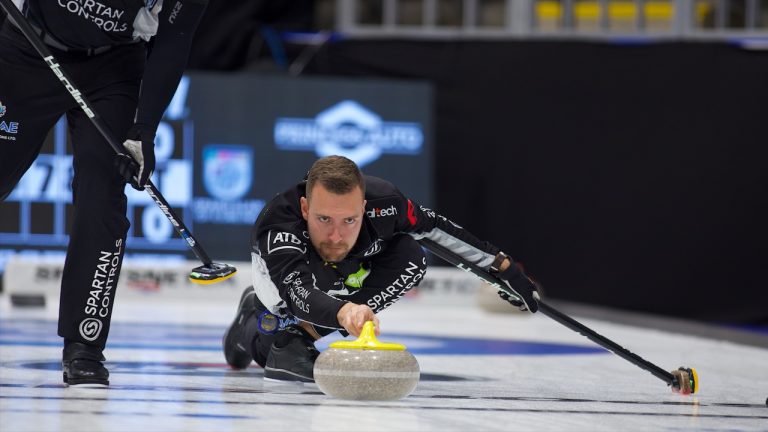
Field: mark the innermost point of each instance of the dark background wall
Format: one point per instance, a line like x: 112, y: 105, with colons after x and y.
x: 633, y: 176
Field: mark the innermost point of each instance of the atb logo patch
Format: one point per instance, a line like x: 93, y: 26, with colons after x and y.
x: 284, y: 240
x: 90, y: 329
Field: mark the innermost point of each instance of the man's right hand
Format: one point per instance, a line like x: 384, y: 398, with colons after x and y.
x: 353, y: 316
x: 137, y: 166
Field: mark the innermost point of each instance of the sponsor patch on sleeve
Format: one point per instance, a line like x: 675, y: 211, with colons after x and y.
x: 281, y: 240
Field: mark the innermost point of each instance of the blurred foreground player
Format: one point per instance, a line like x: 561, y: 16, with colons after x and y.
x: 103, y: 46
x: 329, y: 254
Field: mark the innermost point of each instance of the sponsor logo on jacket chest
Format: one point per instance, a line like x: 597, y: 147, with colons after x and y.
x: 381, y: 212
x: 284, y: 240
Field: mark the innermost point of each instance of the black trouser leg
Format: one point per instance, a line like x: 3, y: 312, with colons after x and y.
x: 99, y: 226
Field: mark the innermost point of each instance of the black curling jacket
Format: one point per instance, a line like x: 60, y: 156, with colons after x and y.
x: 289, y: 282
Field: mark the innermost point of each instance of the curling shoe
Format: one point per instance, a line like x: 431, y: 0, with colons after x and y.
x: 235, y: 344
x: 292, y: 357
x: 82, y: 365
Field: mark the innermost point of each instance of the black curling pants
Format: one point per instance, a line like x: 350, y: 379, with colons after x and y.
x: 394, y: 272
x: 34, y: 99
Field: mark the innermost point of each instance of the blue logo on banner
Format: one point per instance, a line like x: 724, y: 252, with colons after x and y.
x: 349, y: 129
x: 8, y: 127
x: 227, y: 171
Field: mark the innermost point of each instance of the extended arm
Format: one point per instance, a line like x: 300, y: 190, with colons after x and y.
x: 518, y: 289
x: 433, y: 230
x: 166, y: 62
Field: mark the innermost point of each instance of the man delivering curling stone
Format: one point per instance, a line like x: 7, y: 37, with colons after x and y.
x: 329, y: 254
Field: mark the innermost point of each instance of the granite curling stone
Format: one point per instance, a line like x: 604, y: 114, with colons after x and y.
x: 366, y: 369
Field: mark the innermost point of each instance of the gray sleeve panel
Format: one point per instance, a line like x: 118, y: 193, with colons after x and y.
x: 463, y: 249
x: 266, y: 290
x: 146, y: 22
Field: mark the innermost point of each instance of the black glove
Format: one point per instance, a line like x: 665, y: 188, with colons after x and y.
x: 517, y: 282
x: 137, y: 166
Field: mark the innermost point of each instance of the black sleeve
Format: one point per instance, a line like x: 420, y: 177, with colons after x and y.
x: 178, y: 21
x: 283, y: 279
x: 422, y: 222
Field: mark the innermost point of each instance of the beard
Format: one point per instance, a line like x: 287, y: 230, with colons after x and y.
x: 332, y: 252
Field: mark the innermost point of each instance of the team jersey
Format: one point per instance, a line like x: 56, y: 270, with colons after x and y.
x: 290, y: 278
x: 83, y: 24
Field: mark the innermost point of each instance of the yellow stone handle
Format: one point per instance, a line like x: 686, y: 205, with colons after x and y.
x: 367, y: 340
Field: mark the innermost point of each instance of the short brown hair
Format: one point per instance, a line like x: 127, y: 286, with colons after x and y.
x: 337, y: 174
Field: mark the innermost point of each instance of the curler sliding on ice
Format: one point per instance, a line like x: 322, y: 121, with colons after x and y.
x: 334, y: 250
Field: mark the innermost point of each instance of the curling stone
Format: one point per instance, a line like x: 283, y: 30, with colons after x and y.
x: 686, y: 381
x: 366, y: 369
